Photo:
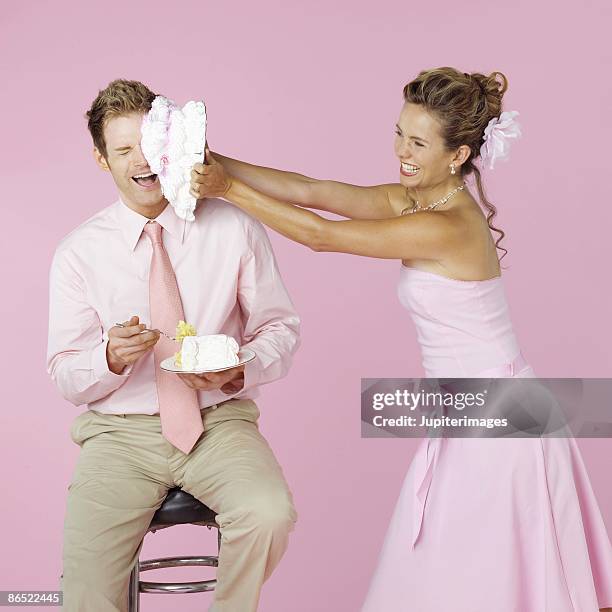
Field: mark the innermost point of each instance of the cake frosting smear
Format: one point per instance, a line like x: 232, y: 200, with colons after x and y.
x: 173, y: 140
x: 210, y: 352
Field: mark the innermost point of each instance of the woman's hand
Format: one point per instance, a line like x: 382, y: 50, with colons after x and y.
x: 209, y: 180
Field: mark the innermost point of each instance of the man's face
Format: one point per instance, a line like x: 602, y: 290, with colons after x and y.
x: 125, y: 161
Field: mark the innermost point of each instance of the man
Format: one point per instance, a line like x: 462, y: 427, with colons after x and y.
x: 147, y: 430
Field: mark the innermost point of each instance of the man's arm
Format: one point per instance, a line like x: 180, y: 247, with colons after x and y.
x: 272, y: 325
x: 76, y: 350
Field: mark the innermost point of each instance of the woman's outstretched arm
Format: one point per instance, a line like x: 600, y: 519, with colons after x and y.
x: 343, y: 199
x: 426, y: 235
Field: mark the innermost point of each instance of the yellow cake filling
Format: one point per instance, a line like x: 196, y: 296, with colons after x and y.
x: 182, y: 329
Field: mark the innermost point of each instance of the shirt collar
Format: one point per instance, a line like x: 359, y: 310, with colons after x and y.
x: 132, y: 223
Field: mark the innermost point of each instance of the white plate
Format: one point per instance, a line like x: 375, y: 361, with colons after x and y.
x: 244, y: 356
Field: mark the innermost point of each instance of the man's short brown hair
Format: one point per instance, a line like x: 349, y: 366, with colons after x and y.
x: 120, y: 97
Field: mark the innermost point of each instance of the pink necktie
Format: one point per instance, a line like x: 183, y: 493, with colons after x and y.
x: 179, y: 409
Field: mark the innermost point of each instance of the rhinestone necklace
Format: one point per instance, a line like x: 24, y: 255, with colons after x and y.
x: 443, y: 200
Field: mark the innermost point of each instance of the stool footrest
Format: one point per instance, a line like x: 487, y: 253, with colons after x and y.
x: 177, y: 587
x: 178, y: 562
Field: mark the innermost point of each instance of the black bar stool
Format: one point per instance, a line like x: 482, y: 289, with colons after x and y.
x: 178, y: 508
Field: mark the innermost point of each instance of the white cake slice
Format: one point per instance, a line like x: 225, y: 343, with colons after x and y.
x: 208, y: 352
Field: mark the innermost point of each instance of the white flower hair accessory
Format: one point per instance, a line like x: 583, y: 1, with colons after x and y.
x: 497, y: 135
x: 173, y: 140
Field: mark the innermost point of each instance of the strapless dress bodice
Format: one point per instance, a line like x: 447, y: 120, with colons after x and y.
x: 463, y: 327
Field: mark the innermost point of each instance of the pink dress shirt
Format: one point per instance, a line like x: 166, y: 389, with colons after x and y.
x: 229, y: 283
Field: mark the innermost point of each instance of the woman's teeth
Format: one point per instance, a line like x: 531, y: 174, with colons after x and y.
x: 409, y: 168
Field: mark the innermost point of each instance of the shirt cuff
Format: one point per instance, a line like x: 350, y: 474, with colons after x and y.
x: 100, y: 367
x: 252, y: 376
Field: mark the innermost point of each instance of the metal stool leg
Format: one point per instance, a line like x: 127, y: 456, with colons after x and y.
x: 134, y: 589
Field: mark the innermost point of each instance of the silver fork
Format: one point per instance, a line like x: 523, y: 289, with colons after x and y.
x: 146, y: 330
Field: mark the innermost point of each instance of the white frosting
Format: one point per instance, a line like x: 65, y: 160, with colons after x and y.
x: 209, y: 352
x: 173, y: 140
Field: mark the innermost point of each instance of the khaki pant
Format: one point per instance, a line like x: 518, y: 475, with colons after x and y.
x: 123, y: 473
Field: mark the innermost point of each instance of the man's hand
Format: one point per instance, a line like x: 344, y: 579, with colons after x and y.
x: 127, y: 344
x: 209, y: 180
x: 229, y: 381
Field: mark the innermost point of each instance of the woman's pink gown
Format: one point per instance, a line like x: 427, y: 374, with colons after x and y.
x: 487, y: 525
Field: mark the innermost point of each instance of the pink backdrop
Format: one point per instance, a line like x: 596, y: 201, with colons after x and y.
x: 316, y: 90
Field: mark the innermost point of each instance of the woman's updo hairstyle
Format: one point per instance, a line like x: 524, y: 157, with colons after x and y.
x: 464, y: 104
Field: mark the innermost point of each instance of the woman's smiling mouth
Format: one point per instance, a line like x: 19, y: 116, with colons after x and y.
x: 408, y: 169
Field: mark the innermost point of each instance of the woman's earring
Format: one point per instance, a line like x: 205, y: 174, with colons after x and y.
x: 452, y: 167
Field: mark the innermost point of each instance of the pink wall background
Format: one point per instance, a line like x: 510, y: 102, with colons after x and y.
x: 316, y: 89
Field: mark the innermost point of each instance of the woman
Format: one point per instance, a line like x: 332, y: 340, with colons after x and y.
x: 481, y: 524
